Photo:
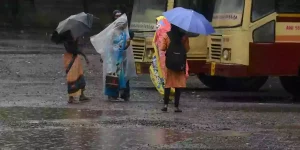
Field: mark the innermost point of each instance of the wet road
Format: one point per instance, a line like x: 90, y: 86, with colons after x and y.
x: 34, y: 113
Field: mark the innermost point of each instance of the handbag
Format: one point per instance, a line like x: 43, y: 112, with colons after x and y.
x: 112, y: 80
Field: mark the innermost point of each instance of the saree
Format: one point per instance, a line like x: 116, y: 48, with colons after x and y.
x: 119, y: 47
x: 74, y: 70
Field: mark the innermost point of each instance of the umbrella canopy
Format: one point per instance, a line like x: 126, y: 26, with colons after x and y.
x: 164, y: 26
x: 189, y: 20
x: 76, y: 25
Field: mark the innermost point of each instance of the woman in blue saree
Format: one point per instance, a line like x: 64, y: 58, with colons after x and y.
x: 113, y: 43
x: 120, y: 44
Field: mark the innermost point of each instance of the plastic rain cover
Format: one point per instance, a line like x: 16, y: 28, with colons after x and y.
x: 105, y: 45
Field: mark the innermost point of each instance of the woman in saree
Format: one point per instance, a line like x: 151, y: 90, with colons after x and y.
x: 74, y: 70
x: 113, y: 43
x: 120, y: 44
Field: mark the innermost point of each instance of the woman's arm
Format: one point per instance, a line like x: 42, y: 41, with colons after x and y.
x: 163, y: 42
x: 186, y: 43
x: 101, y: 60
x: 127, y: 43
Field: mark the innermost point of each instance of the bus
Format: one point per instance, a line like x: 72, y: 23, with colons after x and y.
x: 143, y: 24
x: 255, y: 39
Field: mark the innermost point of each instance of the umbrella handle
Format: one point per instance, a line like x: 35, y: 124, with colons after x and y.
x: 96, y: 18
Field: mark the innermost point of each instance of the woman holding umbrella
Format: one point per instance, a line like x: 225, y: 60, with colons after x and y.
x: 73, y: 65
x: 68, y: 32
x: 176, y: 44
x: 173, y: 79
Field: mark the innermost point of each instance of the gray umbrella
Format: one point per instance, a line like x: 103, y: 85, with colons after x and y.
x: 78, y: 24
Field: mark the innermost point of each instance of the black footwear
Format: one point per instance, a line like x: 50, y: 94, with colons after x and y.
x: 125, y: 97
x: 165, y: 109
x: 177, y: 110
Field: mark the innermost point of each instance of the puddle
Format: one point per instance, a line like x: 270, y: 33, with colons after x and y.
x: 67, y: 128
x: 89, y: 138
x: 252, y: 99
x: 289, y: 127
x: 261, y: 108
x: 23, y: 113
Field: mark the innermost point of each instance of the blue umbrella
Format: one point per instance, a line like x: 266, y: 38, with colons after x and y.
x: 189, y: 20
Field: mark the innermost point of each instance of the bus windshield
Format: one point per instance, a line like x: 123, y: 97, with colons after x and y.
x: 228, y: 13
x: 144, y: 14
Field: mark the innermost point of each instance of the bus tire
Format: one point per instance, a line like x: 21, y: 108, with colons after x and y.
x: 246, y: 83
x: 291, y: 84
x: 213, y: 82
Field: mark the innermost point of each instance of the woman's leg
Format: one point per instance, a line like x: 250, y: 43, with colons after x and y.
x: 71, y: 100
x: 126, y: 92
x: 166, y: 99
x: 83, y: 97
x: 177, y: 99
x: 82, y: 85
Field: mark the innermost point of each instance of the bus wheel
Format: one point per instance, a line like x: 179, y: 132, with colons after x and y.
x: 213, y: 82
x: 245, y: 84
x: 291, y: 85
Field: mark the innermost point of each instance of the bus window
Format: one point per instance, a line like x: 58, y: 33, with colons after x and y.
x: 288, y: 6
x: 262, y: 8
x: 144, y: 13
x: 265, y: 33
x: 204, y: 7
x: 228, y: 13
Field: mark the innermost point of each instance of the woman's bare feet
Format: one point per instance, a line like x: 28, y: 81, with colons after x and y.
x: 83, y: 98
x: 110, y: 98
x: 177, y: 110
x: 71, y: 100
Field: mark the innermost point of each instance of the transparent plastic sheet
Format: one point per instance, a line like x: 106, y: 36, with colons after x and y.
x: 104, y: 45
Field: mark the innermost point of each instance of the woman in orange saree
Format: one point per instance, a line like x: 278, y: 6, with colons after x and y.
x: 74, y: 70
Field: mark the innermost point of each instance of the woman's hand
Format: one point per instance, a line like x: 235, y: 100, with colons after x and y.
x: 101, y: 60
x: 127, y: 43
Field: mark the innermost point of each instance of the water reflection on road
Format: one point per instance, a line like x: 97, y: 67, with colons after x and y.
x: 46, y: 128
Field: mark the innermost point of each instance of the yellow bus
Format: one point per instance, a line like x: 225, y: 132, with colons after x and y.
x: 143, y: 24
x: 255, y: 39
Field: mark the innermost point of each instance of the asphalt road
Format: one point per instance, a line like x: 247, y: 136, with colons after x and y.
x: 34, y: 113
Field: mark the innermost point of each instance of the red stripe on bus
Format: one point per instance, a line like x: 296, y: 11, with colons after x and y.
x: 288, y: 19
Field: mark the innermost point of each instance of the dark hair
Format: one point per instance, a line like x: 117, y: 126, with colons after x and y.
x: 115, y: 12
x: 175, y: 34
x: 71, y: 46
